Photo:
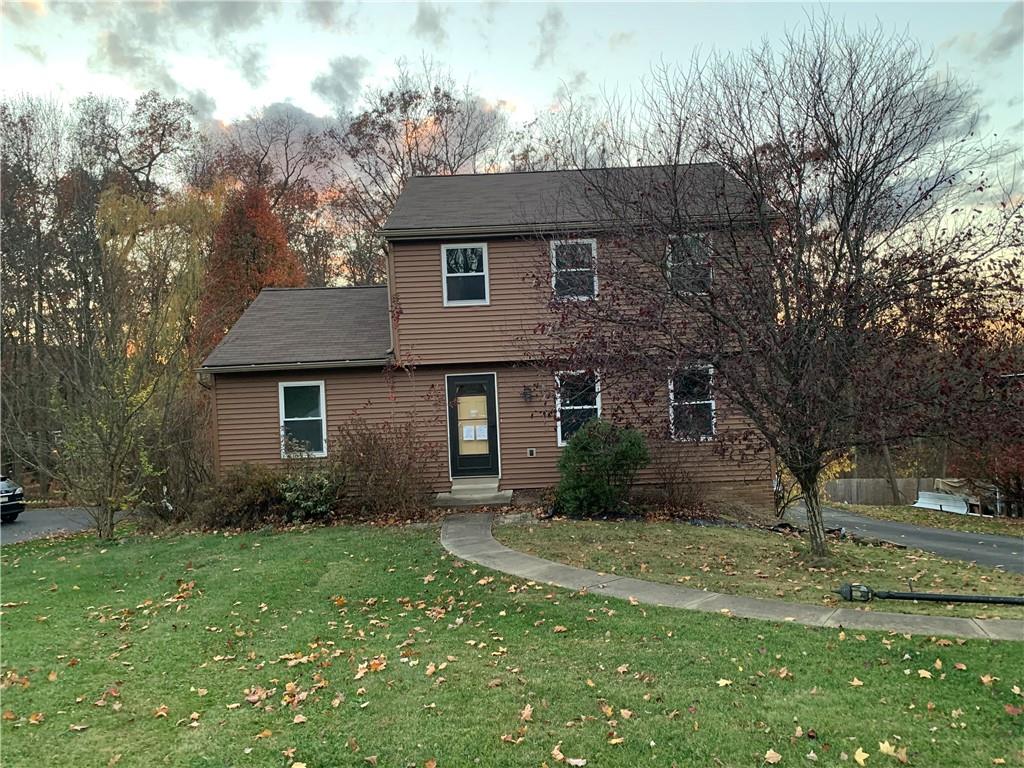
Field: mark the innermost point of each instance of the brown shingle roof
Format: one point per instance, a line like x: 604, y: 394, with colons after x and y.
x: 284, y: 327
x: 509, y: 202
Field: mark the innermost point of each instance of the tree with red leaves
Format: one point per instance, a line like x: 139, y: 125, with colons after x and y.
x: 250, y: 252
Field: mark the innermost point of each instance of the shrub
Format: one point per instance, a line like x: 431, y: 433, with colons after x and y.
x: 680, y: 491
x: 386, y: 469
x: 246, y: 496
x: 598, y: 467
x: 311, y: 490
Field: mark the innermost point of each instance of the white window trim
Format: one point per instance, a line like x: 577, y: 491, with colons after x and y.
x: 705, y: 238
x: 672, y: 403
x: 558, y: 401
x: 554, y: 272
x: 486, y: 273
x: 281, y: 386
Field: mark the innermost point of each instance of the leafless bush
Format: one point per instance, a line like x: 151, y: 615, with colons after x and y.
x: 386, y: 469
x: 681, y: 490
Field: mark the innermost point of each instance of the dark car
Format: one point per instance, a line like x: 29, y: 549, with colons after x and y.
x: 12, y: 500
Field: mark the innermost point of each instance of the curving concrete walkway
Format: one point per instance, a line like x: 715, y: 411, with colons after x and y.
x: 468, y: 537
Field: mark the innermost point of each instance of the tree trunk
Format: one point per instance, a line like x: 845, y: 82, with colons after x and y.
x: 890, y: 474
x: 104, y: 519
x: 815, y: 524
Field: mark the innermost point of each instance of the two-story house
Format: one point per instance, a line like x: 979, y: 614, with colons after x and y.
x: 475, y: 262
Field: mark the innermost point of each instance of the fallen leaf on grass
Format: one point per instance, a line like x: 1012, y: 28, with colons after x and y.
x: 9, y: 715
x: 1012, y: 710
x: 723, y: 682
x: 856, y: 683
x: 559, y: 629
x: 556, y: 753
x: 961, y: 666
x: 861, y: 757
x: 372, y: 759
x: 52, y: 677
x: 161, y: 711
x: 36, y: 718
x: 299, y: 719
x: 527, y: 714
x: 772, y: 757
x: 924, y: 673
x: 77, y: 727
x: 900, y: 754
x: 266, y: 733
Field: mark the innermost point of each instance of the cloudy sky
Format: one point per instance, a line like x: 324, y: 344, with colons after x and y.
x: 230, y: 58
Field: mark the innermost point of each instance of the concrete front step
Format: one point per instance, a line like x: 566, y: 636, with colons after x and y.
x: 496, y: 499
x: 474, y: 492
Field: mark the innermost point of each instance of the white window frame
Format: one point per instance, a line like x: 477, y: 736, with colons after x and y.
x: 554, y: 271
x: 705, y: 239
x: 558, y: 401
x: 281, y: 386
x: 672, y: 403
x: 486, y: 274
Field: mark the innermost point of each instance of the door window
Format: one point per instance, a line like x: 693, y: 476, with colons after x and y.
x: 471, y: 409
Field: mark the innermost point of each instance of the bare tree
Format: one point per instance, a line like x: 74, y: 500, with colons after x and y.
x: 135, y: 147
x: 117, y: 398
x: 90, y: 288
x: 815, y: 222
x: 422, y: 124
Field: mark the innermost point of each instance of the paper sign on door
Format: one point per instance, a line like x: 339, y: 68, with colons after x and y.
x: 467, y: 433
x: 481, y: 432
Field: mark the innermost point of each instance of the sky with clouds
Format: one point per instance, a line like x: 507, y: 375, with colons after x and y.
x: 231, y: 58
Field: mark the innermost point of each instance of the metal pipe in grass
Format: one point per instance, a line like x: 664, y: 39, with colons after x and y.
x: 861, y: 593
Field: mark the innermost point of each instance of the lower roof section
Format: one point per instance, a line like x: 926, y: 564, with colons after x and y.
x: 308, y: 327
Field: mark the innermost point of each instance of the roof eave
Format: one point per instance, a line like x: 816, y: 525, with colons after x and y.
x: 505, y: 230
x: 294, y: 366
x: 525, y: 230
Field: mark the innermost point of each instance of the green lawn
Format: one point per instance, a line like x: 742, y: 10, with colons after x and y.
x: 99, y: 641
x: 934, y: 519
x: 761, y: 564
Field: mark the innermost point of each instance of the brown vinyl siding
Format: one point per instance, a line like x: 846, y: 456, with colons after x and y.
x: 248, y: 423
x: 428, y: 332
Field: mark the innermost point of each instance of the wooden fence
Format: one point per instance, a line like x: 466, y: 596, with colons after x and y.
x: 876, y: 490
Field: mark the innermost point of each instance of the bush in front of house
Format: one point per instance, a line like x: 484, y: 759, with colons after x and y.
x: 254, y: 495
x: 386, y: 467
x: 598, y: 467
x: 312, y: 489
x: 246, y: 496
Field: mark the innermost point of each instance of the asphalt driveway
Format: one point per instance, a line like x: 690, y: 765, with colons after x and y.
x: 38, y: 523
x: 1006, y: 552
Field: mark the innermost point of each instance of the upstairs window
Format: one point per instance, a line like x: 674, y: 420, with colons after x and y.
x: 464, y: 268
x: 688, y: 263
x: 692, y: 403
x: 577, y: 401
x: 574, y: 268
x: 303, y: 418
